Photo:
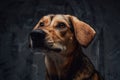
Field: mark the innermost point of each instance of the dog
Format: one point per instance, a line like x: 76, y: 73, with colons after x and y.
x: 60, y: 38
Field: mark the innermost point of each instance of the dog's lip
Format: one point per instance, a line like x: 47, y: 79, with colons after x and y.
x: 54, y: 49
x: 46, y: 48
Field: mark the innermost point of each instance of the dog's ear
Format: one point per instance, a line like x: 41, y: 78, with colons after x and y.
x: 83, y: 32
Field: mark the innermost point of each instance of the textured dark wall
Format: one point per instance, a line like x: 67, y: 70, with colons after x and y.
x: 18, y: 17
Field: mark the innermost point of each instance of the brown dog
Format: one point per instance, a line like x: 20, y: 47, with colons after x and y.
x: 60, y: 38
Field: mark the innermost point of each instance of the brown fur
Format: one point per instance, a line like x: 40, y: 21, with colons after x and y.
x: 70, y: 63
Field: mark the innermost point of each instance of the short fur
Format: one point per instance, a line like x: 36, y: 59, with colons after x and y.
x: 64, y: 37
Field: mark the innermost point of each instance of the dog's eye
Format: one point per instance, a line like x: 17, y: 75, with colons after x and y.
x: 41, y: 24
x: 61, y: 25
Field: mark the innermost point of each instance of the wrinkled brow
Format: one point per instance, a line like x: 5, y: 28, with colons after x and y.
x: 51, y: 16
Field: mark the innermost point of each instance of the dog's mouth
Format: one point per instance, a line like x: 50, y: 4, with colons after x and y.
x: 43, y: 48
x: 39, y: 46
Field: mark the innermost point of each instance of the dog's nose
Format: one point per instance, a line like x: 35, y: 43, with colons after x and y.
x: 37, y: 38
x: 37, y: 34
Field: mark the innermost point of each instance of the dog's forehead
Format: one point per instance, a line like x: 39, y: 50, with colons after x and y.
x: 55, y: 18
x: 60, y: 18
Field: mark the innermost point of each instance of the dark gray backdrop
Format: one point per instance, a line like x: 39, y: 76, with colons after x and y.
x: 18, y: 17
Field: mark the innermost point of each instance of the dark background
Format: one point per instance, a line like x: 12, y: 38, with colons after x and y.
x: 18, y: 17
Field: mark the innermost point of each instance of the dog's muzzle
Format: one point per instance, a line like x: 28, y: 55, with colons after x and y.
x: 37, y: 39
x: 37, y: 42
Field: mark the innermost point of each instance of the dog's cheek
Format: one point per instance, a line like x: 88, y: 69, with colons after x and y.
x: 64, y: 32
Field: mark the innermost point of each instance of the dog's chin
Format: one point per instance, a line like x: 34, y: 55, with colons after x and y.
x: 46, y: 50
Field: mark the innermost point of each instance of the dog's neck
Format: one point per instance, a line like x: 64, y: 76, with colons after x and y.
x: 58, y: 64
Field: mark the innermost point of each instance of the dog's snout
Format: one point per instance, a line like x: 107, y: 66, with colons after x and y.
x: 37, y: 37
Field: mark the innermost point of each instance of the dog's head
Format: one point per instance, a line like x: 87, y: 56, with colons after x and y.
x: 60, y: 33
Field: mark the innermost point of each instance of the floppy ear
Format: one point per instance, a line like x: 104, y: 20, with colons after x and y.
x: 83, y: 32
